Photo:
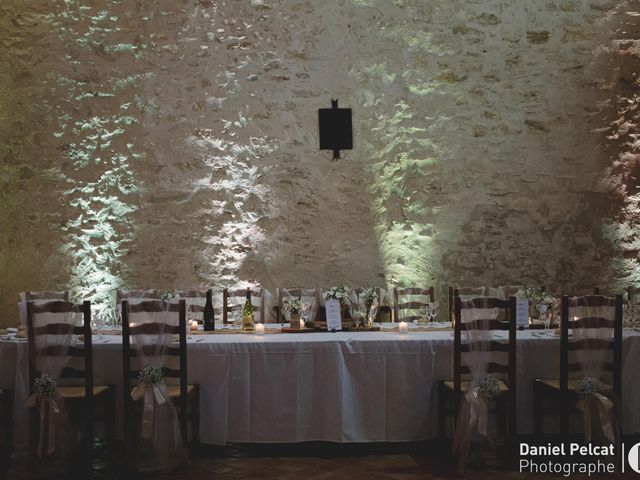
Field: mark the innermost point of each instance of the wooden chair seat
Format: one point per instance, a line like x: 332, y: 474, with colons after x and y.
x: 448, y: 384
x: 174, y: 391
x: 554, y: 384
x: 72, y: 393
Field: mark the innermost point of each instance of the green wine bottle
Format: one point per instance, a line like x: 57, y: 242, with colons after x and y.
x: 247, y: 313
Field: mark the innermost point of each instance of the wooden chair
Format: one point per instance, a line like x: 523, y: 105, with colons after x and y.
x: 558, y: 396
x: 399, y: 304
x: 466, y: 292
x: 38, y: 298
x: 504, y: 292
x: 195, y: 301
x: 6, y: 430
x: 45, y: 295
x: 451, y: 392
x: 80, y: 401
x: 185, y: 396
x: 257, y: 300
x: 135, y: 296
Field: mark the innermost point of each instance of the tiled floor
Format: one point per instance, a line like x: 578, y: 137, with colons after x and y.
x: 329, y: 462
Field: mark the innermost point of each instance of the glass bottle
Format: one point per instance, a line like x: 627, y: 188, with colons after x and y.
x: 209, y: 316
x: 247, y: 314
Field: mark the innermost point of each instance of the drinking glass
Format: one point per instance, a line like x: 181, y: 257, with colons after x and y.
x: 424, y: 312
x: 238, y: 316
x: 542, y: 308
x: 305, y: 310
x: 433, y: 313
x: 98, y: 321
x: 373, y: 312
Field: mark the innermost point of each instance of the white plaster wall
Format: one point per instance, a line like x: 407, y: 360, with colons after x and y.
x: 174, y: 144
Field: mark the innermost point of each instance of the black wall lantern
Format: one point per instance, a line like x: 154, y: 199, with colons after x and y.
x: 335, y: 129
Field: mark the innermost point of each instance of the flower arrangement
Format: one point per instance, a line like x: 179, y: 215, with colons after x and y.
x: 537, y: 297
x: 368, y: 296
x: 489, y: 387
x: 45, y: 386
x: 337, y: 293
x: 291, y: 305
x: 150, y: 375
x: 167, y: 295
x: 587, y: 387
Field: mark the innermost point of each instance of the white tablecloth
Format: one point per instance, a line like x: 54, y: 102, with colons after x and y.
x: 341, y: 387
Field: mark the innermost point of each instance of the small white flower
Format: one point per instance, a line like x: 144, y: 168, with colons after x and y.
x: 587, y: 387
x: 150, y: 375
x: 489, y: 387
x: 45, y: 385
x: 291, y: 305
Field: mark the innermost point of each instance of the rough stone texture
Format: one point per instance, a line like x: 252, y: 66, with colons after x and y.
x: 174, y: 144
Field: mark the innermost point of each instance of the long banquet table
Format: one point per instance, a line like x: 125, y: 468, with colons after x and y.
x: 340, y: 387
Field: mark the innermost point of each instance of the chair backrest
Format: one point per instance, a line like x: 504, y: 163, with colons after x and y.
x: 45, y: 295
x: 195, y: 300
x: 235, y: 298
x: 41, y: 339
x: 132, y: 326
x: 37, y: 298
x: 479, y: 318
x: 596, y: 323
x: 503, y: 292
x: 417, y: 299
x: 135, y: 296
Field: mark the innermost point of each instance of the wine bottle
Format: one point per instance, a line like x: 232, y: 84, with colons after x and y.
x: 247, y: 313
x: 208, y: 316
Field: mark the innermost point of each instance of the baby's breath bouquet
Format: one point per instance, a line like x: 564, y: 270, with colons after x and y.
x: 489, y: 387
x: 587, y: 387
x: 45, y: 386
x: 368, y: 296
x: 337, y: 293
x: 167, y: 295
x: 150, y: 375
x: 291, y: 305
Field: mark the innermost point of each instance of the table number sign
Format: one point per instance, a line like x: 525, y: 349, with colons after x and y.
x: 522, y: 312
x: 334, y: 318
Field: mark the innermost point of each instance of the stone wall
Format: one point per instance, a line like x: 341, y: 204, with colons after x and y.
x: 174, y: 144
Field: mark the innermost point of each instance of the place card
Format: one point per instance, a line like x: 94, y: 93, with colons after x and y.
x: 522, y: 312
x: 334, y: 317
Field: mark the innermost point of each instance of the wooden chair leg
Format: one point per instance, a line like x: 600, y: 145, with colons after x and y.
x: 110, y: 420
x: 442, y: 411
x: 6, y: 432
x: 564, y: 417
x: 195, y: 418
x: 538, y: 413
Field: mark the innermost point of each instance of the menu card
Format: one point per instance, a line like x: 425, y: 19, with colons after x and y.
x: 334, y: 318
x: 522, y: 312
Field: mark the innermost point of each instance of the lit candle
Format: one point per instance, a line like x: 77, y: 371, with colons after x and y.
x: 194, y: 325
x: 403, y: 327
x: 259, y: 329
